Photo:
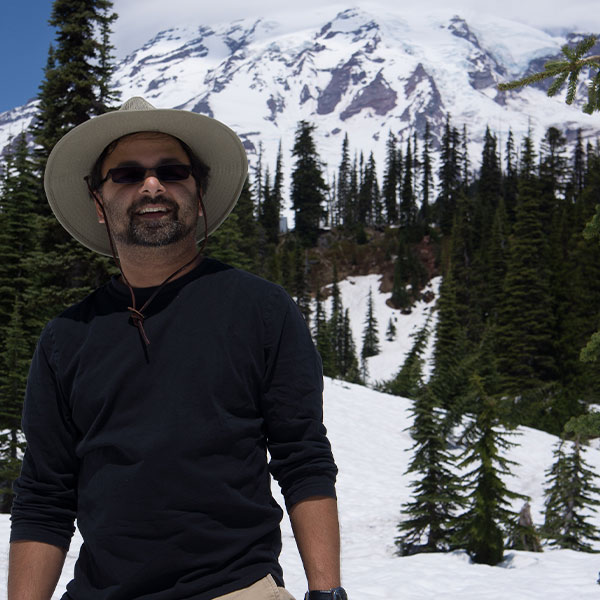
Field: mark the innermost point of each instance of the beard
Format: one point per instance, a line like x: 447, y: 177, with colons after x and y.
x: 175, y: 225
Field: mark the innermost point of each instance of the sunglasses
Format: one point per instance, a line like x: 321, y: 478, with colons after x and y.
x: 137, y: 174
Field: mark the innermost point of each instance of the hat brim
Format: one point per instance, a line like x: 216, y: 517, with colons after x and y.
x: 74, y: 155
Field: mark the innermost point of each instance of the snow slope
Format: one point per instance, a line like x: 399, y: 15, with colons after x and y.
x: 368, y: 431
x: 371, y: 443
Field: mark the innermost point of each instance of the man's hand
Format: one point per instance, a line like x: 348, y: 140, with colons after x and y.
x: 316, y: 529
x: 33, y: 570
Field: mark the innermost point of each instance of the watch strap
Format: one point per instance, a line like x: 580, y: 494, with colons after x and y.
x: 337, y: 593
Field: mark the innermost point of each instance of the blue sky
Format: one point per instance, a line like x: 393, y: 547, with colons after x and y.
x: 24, y: 39
x: 25, y: 34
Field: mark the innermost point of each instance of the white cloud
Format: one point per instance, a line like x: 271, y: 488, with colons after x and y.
x: 138, y: 22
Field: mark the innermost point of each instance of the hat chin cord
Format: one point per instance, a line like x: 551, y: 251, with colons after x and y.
x: 137, y: 315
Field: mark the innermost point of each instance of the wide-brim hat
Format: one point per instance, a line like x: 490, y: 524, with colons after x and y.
x: 73, y: 157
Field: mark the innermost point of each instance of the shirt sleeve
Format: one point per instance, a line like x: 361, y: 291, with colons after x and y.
x: 292, y: 406
x: 45, y: 503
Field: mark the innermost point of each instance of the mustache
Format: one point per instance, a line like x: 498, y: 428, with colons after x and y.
x: 139, y: 204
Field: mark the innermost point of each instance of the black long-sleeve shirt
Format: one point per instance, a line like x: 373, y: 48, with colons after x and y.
x: 161, y: 452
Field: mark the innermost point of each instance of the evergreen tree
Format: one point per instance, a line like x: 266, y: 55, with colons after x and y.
x: 390, y: 180
x: 497, y: 260
x: 19, y: 322
x: 526, y: 317
x: 225, y: 243
x: 301, y: 294
x: 408, y: 206
x: 591, y: 352
x: 368, y: 196
x: 18, y: 230
x: 578, y: 170
x: 510, y: 179
x: 448, y: 380
x: 571, y: 494
x: 335, y: 326
x: 390, y: 332
x: 349, y: 369
x: 249, y: 239
x: 552, y: 172
x: 428, y: 520
x: 258, y: 178
x: 14, y: 364
x: 272, y: 201
x: 426, y: 179
x: 308, y: 186
x: 76, y: 83
x: 345, y: 197
x: 370, y: 341
x: 449, y: 176
x: 490, y: 178
x: 322, y: 337
x: 76, y: 87
x: 409, y: 380
x: 481, y: 529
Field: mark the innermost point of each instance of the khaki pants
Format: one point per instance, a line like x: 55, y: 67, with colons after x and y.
x: 263, y: 589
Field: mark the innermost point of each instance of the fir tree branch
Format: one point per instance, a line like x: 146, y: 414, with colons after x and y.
x: 570, y: 69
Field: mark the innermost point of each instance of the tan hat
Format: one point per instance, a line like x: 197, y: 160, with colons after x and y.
x: 75, y: 154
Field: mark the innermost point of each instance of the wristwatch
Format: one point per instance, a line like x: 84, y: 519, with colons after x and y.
x: 338, y: 593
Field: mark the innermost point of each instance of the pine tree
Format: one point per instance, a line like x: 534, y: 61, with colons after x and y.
x: 18, y: 230
x: 269, y: 216
x: 448, y: 380
x: 19, y: 323
x: 589, y: 251
x: 408, y: 206
x: 428, y: 520
x: 335, y: 326
x: 497, y: 260
x: 368, y: 195
x: 390, y: 180
x: 77, y: 78
x: 571, y: 494
x: 526, y: 317
x: 76, y: 87
x: 345, y: 197
x: 224, y: 244
x: 308, y: 186
x: 390, y: 332
x: 552, y: 171
x: 272, y: 201
x: 482, y: 527
x: 14, y: 364
x: 301, y: 294
x: 510, y: 179
x: 249, y: 242
x: 322, y: 337
x: 370, y: 341
x: 349, y: 368
x: 426, y: 179
x: 449, y: 176
x: 409, y: 380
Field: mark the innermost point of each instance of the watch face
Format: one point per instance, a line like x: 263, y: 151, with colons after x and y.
x: 339, y: 594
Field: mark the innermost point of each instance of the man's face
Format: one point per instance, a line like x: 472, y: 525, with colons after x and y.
x: 151, y: 212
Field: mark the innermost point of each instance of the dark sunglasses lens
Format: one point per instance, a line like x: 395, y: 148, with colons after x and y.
x: 173, y: 172
x: 127, y: 174
x: 137, y: 174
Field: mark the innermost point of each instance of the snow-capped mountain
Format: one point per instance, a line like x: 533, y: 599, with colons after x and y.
x: 359, y: 72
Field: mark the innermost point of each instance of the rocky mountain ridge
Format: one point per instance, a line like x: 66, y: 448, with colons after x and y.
x: 360, y: 72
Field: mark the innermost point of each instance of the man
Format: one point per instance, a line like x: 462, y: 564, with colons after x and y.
x: 151, y: 404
